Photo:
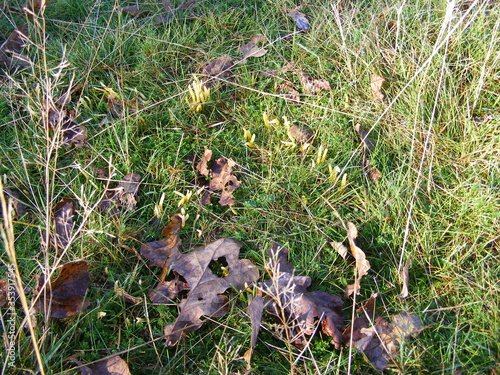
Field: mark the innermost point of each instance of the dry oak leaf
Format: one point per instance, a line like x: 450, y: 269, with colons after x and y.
x: 287, y: 294
x: 221, y: 178
x: 65, y: 296
x: 123, y: 195
x: 124, y: 296
x: 14, y: 199
x: 301, y: 134
x: 311, y: 85
x: 367, y: 142
x: 110, y: 366
x: 206, y: 296
x: 362, y: 264
x: 218, y: 68
x: 378, y: 339
x: 376, y: 84
x: 255, y: 309
x: 300, y: 19
x: 64, y: 211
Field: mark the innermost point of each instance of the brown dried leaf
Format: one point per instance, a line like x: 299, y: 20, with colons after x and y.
x: 378, y: 339
x: 14, y: 199
x: 373, y: 173
x: 405, y: 275
x: 255, y: 310
x: 300, y: 19
x: 376, y: 84
x: 124, y: 296
x: 4, y: 286
x: 286, y: 89
x: 206, y: 297
x: 123, y: 195
x: 9, y: 51
x: 202, y: 166
x: 162, y: 253
x: 221, y: 178
x: 218, y: 68
x: 74, y: 134
x: 312, y: 86
x: 110, y: 366
x: 133, y: 10
x: 362, y: 264
x: 340, y: 248
x: 301, y: 134
x: 251, y: 49
x: 65, y: 296
x: 302, y: 309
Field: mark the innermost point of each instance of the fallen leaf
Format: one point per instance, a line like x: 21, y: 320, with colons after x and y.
x: 64, y: 297
x: 301, y: 134
x: 124, y: 296
x: 9, y: 50
x: 110, y: 366
x: 162, y: 253
x: 4, y: 287
x: 405, y: 275
x: 286, y: 89
x: 373, y: 173
x: 312, y: 86
x: 221, y: 178
x: 60, y: 236
x: 255, y: 310
x: 303, y: 310
x: 378, y: 339
x: 74, y: 134
x: 376, y: 85
x: 14, y: 199
x: 251, y: 49
x: 133, y: 10
x: 218, y: 68
x: 362, y: 264
x: 206, y: 297
x: 367, y: 142
x: 300, y: 19
x: 123, y: 195
x: 166, y: 291
x: 340, y: 248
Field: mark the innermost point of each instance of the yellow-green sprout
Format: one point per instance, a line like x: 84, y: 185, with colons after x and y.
x: 185, y: 198
x: 321, y: 157
x: 198, y: 95
x: 249, y: 139
x: 343, y: 183
x: 334, y: 172
x: 184, y: 216
x: 268, y: 122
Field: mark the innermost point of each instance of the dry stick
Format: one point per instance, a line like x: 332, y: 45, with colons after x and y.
x: 7, y: 231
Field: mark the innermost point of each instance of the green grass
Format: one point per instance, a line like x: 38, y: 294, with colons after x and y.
x: 435, y: 208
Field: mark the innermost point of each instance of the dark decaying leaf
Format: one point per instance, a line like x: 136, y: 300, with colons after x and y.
x: 124, y: 195
x: 378, y: 339
x: 133, y: 10
x: 162, y: 253
x: 221, y: 178
x: 255, y: 310
x: 166, y: 291
x: 110, y: 366
x: 9, y: 50
x: 14, y: 198
x: 311, y: 85
x: 372, y: 172
x: 300, y: 19
x: 218, y: 68
x: 4, y: 288
x: 64, y: 211
x: 206, y: 295
x: 64, y: 297
x: 287, y: 296
x: 367, y: 142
